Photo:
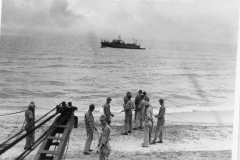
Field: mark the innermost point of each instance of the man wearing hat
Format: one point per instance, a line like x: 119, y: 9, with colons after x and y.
x: 160, y: 123
x: 128, y: 115
x: 104, y: 145
x: 137, y: 101
x: 140, y: 113
x: 29, y: 120
x: 145, y: 96
x: 107, y: 111
x: 90, y: 127
x: 148, y: 119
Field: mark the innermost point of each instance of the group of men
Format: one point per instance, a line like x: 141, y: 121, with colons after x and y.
x: 143, y: 115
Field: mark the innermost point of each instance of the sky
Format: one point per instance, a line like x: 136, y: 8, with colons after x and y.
x: 203, y: 21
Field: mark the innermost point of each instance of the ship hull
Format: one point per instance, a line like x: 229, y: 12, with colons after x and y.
x: 120, y: 45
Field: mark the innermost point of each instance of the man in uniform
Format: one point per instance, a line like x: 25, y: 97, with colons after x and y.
x: 104, y: 145
x: 137, y: 101
x: 128, y: 115
x: 29, y: 120
x: 148, y: 118
x: 90, y: 127
x: 160, y: 123
x: 145, y: 96
x: 140, y: 113
x: 107, y: 111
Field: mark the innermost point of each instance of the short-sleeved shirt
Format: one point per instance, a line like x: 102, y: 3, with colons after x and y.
x: 146, y: 98
x: 161, y: 115
x: 106, y: 110
x: 128, y: 107
x: 105, y: 134
x: 89, y: 120
x: 125, y: 99
x: 29, y: 117
x: 137, y: 100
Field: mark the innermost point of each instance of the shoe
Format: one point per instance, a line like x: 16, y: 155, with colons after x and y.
x: 90, y: 150
x: 86, y: 153
x: 125, y: 133
x: 129, y: 131
x: 153, y: 142
x: 160, y: 141
x: 135, y: 129
x: 144, y: 146
x: 29, y: 148
x: 140, y: 127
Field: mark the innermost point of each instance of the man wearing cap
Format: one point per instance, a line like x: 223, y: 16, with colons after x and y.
x: 145, y: 96
x: 104, y: 145
x: 160, y: 123
x: 128, y: 115
x: 90, y: 127
x: 137, y: 101
x: 29, y: 120
x: 140, y: 113
x: 107, y: 111
x: 148, y: 119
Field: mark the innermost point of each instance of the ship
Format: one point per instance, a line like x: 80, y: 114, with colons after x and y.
x: 119, y: 43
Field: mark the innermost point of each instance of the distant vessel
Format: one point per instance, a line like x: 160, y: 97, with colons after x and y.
x: 119, y: 43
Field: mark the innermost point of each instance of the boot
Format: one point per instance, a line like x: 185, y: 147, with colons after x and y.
x: 125, y: 133
x: 160, y: 141
x: 153, y: 142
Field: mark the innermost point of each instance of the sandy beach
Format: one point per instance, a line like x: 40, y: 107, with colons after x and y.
x: 190, y: 139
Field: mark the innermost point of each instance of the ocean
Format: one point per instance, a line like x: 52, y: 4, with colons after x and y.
x: 49, y: 69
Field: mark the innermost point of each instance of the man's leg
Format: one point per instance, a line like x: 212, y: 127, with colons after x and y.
x: 88, y: 140
x: 126, y: 124
x: 146, y: 135
x: 28, y: 140
x: 160, y: 135
x: 130, y: 124
x: 157, y: 132
x: 138, y: 119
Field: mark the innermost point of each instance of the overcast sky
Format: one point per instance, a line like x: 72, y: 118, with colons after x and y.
x: 210, y: 21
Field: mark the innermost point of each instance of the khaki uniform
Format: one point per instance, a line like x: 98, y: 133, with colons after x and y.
x: 104, y: 139
x: 125, y: 99
x: 128, y: 116
x: 107, y: 112
x: 136, y: 101
x: 140, y: 113
x: 89, y: 124
x: 160, y: 123
x: 29, y: 119
x: 148, y: 126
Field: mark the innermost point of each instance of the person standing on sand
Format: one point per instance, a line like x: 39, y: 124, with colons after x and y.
x: 104, y: 145
x: 128, y: 115
x: 148, y: 119
x: 140, y: 112
x: 29, y: 120
x: 90, y: 127
x: 107, y: 111
x: 160, y: 123
x: 137, y: 101
x: 145, y: 96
